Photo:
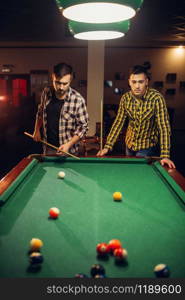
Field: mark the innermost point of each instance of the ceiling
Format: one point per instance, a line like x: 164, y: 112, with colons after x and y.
x: 40, y: 23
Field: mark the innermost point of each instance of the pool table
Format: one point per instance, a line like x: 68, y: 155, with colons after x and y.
x: 149, y: 220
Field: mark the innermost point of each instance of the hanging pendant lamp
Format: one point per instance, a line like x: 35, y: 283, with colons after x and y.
x: 108, y: 31
x: 99, y: 11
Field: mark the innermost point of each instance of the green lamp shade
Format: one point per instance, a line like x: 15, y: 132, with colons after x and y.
x: 87, y: 31
x: 99, y: 11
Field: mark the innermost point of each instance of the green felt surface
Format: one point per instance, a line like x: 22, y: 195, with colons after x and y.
x: 149, y: 221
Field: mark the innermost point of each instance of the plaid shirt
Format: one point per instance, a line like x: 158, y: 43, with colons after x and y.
x: 148, y: 122
x: 73, y: 117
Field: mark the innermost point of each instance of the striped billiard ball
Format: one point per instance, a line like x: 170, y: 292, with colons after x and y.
x: 161, y: 270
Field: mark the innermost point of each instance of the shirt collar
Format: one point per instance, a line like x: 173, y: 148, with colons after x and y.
x: 145, y: 94
x: 68, y: 94
x: 67, y: 97
x: 144, y: 97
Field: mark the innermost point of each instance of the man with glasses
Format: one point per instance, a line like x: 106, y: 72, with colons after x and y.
x: 148, y: 121
x: 62, y: 113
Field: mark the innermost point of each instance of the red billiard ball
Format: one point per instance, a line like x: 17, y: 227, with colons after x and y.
x: 54, y: 212
x: 120, y: 254
x: 102, y: 249
x: 114, y: 244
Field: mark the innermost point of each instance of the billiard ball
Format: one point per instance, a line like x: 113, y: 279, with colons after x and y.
x: 102, y: 249
x: 99, y: 276
x: 61, y: 174
x: 114, y: 244
x: 54, y: 212
x: 120, y: 254
x: 36, y: 258
x: 81, y: 275
x: 35, y: 244
x: 161, y: 270
x: 117, y: 196
x: 97, y: 269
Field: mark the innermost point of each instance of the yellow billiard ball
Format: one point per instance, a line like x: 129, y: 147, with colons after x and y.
x: 35, y: 244
x: 117, y: 196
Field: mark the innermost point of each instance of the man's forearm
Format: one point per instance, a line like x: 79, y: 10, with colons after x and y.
x: 74, y: 140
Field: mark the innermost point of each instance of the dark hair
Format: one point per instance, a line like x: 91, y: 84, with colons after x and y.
x: 62, y: 69
x: 138, y: 69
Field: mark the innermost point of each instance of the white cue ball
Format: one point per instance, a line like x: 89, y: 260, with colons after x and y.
x: 61, y: 174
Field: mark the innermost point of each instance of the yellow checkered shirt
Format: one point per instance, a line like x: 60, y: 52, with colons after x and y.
x: 148, y: 122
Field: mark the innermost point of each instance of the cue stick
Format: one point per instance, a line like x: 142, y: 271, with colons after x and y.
x: 52, y: 146
x: 101, y: 126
